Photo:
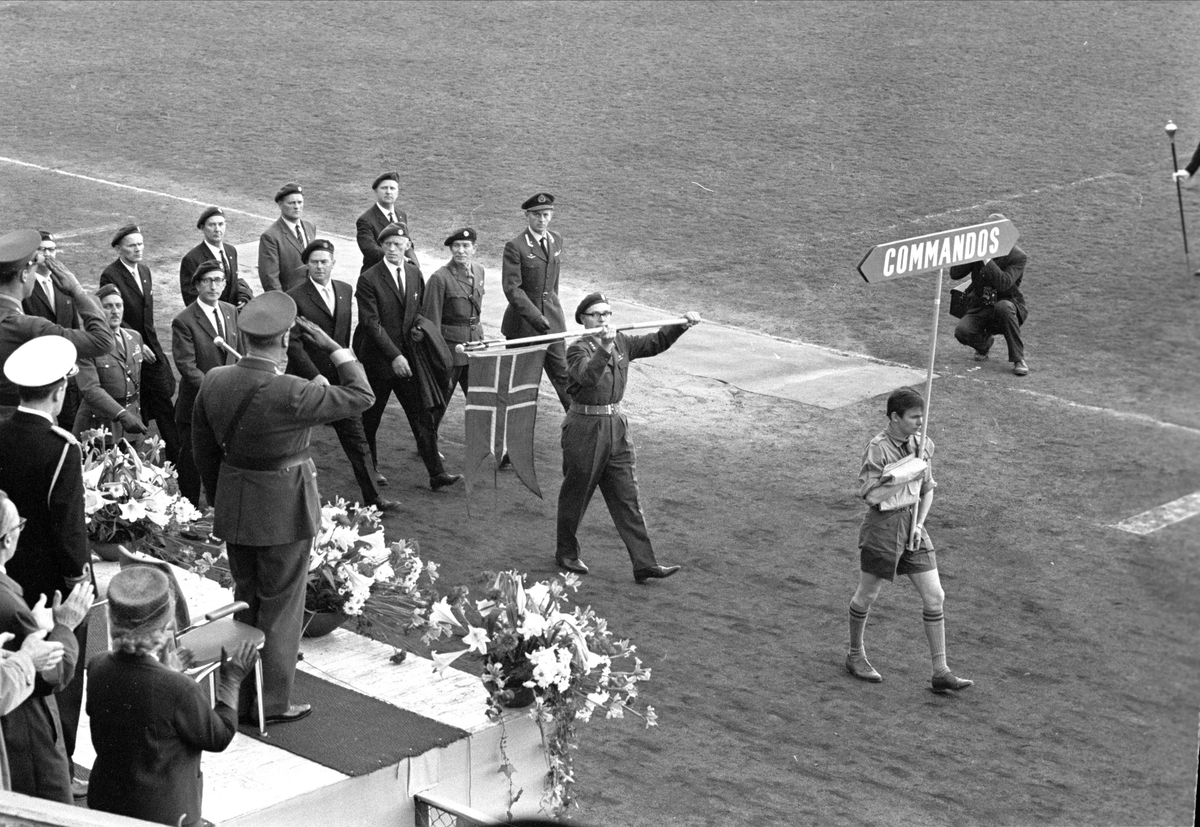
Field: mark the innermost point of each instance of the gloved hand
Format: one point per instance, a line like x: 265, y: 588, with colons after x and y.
x: 131, y: 423
x: 237, y: 664
x: 541, y: 325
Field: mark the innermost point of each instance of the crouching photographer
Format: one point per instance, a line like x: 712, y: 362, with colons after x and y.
x: 994, y: 305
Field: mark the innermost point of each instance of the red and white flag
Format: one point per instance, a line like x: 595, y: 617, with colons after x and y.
x: 502, y: 392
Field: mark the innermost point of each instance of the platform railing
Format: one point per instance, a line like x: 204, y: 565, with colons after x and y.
x: 435, y: 811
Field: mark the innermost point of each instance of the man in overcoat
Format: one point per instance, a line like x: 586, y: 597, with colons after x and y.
x: 280, y: 245
x: 251, y: 430
x: 134, y: 281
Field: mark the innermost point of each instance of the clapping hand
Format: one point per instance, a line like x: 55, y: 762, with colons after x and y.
x: 237, y: 664
x: 44, y: 654
x: 74, y: 609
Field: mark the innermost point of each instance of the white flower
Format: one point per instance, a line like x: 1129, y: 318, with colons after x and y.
x: 440, y: 614
x: 532, y: 625
x: 383, y: 572
x: 440, y: 662
x: 477, y: 639
x: 132, y: 511
x: 538, y: 594
x: 598, y: 698
x: 551, y: 667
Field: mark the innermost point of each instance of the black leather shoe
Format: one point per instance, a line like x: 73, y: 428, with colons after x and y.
x: 505, y: 463
x: 862, y: 669
x: 443, y: 479
x: 571, y: 564
x: 949, y: 683
x: 654, y: 573
x: 385, y: 505
x: 294, y: 713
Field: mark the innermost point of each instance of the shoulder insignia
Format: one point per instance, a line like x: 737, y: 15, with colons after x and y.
x: 65, y: 434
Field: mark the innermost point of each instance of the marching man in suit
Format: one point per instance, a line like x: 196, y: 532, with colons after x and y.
x: 279, y: 247
x: 529, y: 277
x: 109, y: 383
x: 213, y: 248
x: 389, y: 299
x: 55, y: 305
x: 326, y: 303
x: 382, y: 213
x: 251, y: 430
x: 134, y: 281
x: 193, y: 344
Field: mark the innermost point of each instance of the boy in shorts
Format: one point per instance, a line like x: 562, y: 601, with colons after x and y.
x: 885, y: 540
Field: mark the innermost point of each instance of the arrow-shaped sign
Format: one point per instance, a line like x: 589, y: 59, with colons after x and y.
x: 895, y: 259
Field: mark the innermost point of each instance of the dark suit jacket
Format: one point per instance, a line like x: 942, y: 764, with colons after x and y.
x: 41, y: 468
x: 310, y: 362
x: 196, y: 353
x: 37, y: 758
x: 1002, y: 274
x: 279, y: 264
x: 385, y: 318
x: 282, y: 505
x: 16, y: 328
x: 367, y: 229
x: 139, y: 316
x: 236, y: 289
x: 63, y: 312
x: 149, y: 726
x: 530, y: 281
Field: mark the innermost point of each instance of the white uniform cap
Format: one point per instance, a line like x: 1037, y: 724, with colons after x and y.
x: 41, y: 361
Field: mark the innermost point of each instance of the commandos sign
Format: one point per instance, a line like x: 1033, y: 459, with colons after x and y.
x: 885, y: 262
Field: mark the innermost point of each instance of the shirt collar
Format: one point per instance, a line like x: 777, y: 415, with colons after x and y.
x: 217, y: 251
x: 36, y: 412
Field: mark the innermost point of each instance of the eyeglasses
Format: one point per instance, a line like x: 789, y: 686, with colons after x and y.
x: 20, y: 525
x: 599, y: 314
x: 212, y: 282
x: 47, y: 249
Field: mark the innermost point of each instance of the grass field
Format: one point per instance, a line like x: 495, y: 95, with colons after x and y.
x: 739, y: 159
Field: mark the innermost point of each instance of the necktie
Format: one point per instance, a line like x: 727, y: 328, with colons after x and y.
x: 327, y: 293
x: 300, y: 234
x: 225, y: 266
x: 545, y: 251
x: 391, y: 218
x: 217, y: 322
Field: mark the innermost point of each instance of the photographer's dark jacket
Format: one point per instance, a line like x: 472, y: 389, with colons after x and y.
x: 997, y: 280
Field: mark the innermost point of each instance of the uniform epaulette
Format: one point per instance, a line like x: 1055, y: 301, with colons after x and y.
x: 65, y: 434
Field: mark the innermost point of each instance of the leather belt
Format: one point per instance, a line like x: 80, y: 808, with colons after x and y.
x: 248, y: 463
x: 125, y: 400
x: 595, y: 410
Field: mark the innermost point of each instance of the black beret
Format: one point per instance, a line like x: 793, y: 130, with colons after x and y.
x: 139, y: 599
x: 107, y: 290
x: 465, y: 234
x: 588, y: 301
x: 268, y: 314
x: 209, y: 213
x: 19, y: 247
x: 541, y: 201
x: 128, y: 229
x: 313, y: 246
x: 286, y: 190
x: 209, y: 265
x: 391, y: 230
x: 387, y: 176
x: 46, y: 235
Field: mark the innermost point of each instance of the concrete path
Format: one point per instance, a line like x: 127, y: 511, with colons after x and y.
x: 753, y: 362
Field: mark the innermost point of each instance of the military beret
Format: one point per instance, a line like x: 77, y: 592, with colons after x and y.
x: 465, y: 234
x: 107, y: 290
x: 209, y: 265
x: 313, y: 246
x: 387, y: 176
x: 541, y: 201
x: 286, y: 190
x: 139, y: 599
x: 19, y: 247
x: 207, y: 214
x: 391, y: 230
x: 41, y: 361
x: 588, y: 301
x: 268, y: 314
x: 128, y: 229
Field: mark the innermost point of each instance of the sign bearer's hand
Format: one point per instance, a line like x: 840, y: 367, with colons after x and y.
x: 693, y: 318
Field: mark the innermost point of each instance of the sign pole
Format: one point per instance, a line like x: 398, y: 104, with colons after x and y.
x: 1179, y: 194
x: 937, y: 309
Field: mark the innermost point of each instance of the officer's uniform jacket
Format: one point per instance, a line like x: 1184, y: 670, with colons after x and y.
x: 453, y: 301
x: 529, y: 278
x: 110, y: 383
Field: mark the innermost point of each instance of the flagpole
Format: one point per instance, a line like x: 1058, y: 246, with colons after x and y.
x: 937, y: 308
x: 558, y: 337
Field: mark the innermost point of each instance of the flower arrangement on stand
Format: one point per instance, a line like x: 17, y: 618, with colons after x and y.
x: 355, y: 572
x: 128, y: 498
x: 539, y: 649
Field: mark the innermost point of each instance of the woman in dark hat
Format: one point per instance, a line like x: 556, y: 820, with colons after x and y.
x: 149, y: 721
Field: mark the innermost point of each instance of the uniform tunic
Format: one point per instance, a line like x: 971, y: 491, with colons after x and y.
x: 888, y: 531
x: 109, y: 384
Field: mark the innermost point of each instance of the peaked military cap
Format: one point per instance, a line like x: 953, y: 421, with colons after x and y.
x: 128, y: 229
x: 286, y: 190
x: 313, y: 246
x: 387, y: 176
x: 541, y: 201
x: 268, y: 314
x: 41, y: 361
x: 465, y: 234
x: 19, y: 247
x: 207, y: 214
x: 391, y: 230
x: 588, y: 300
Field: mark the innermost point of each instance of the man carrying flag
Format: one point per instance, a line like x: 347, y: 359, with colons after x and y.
x: 596, y: 451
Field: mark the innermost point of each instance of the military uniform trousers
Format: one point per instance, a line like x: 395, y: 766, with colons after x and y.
x: 272, y: 580
x: 596, y: 452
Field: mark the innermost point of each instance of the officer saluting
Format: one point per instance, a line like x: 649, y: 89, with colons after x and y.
x: 251, y: 428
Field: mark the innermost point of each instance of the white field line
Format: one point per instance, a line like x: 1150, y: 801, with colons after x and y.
x: 1142, y: 418
x: 1156, y: 518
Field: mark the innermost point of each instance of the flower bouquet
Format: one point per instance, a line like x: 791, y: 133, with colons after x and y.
x: 355, y: 572
x: 537, y: 648
x: 127, y: 497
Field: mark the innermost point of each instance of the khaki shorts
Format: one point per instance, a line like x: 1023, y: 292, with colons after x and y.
x: 887, y: 564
